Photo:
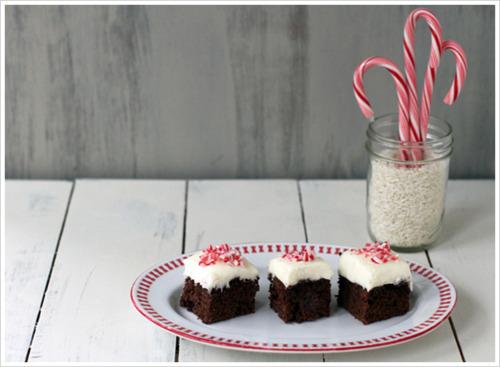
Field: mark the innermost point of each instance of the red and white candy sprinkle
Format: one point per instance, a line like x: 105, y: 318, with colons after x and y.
x: 377, y: 252
x: 303, y: 255
x: 223, y: 253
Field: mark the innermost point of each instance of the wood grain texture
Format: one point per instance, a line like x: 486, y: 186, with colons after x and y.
x: 241, y: 211
x: 268, y: 55
x: 332, y: 211
x: 34, y: 213
x: 114, y: 230
x: 223, y: 91
x: 466, y: 255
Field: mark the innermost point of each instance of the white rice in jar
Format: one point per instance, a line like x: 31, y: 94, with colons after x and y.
x: 406, y: 203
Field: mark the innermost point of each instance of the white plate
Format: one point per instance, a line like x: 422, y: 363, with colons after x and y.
x: 156, y: 293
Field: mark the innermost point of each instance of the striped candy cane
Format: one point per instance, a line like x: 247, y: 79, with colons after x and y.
x: 401, y: 89
x: 460, y: 70
x: 458, y: 80
x: 410, y: 70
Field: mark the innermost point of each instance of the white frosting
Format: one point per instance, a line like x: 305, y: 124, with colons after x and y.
x: 361, y: 270
x: 291, y: 272
x: 219, y: 274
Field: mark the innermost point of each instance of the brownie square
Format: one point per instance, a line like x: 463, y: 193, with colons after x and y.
x: 220, y: 304
x: 380, y: 303
x: 305, y: 301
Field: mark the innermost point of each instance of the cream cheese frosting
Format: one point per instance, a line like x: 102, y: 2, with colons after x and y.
x: 217, y: 275
x: 359, y: 269
x: 292, y: 272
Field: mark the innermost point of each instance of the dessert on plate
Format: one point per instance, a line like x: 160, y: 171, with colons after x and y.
x: 219, y: 284
x: 374, y: 283
x: 300, y: 286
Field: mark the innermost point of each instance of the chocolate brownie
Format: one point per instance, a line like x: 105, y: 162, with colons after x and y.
x: 305, y: 301
x: 220, y: 303
x: 300, y: 285
x: 219, y: 284
x: 374, y: 283
x: 379, y: 303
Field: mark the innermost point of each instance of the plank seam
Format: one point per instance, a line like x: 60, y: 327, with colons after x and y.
x: 186, y: 191
x: 303, y: 215
x: 302, y: 212
x: 61, y: 231
x: 450, y: 320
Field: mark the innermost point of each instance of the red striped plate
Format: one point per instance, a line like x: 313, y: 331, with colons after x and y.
x: 156, y: 292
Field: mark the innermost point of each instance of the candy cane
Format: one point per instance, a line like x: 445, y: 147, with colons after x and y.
x: 460, y: 70
x: 409, y: 63
x: 401, y: 89
x: 458, y: 80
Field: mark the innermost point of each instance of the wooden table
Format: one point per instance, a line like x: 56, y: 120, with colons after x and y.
x: 74, y: 248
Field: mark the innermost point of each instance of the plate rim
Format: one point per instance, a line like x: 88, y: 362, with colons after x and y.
x: 149, y: 276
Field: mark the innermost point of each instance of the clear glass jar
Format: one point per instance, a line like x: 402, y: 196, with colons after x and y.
x: 405, y: 198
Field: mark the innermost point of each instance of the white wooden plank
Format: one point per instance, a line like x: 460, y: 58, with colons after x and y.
x: 335, y: 213
x: 466, y: 254
x: 34, y: 213
x: 114, y: 230
x: 241, y: 211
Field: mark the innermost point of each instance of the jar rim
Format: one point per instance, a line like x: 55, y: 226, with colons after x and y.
x: 440, y: 139
x: 414, y: 162
x: 429, y: 142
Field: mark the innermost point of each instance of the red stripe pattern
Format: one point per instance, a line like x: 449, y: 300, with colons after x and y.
x: 460, y: 70
x: 456, y: 86
x: 410, y: 68
x: 399, y: 83
x: 414, y: 120
x: 141, y: 287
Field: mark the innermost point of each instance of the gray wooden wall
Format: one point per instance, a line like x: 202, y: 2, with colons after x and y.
x: 222, y: 91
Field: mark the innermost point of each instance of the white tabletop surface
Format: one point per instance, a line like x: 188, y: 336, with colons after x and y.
x: 73, y: 250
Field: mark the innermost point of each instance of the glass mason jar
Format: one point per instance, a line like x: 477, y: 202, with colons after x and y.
x: 406, y: 184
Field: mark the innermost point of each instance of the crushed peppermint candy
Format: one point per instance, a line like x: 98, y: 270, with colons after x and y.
x: 377, y: 252
x: 223, y: 253
x: 303, y: 255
